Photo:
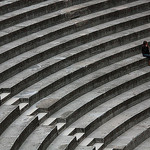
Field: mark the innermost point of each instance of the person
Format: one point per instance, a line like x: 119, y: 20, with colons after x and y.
x: 145, y: 51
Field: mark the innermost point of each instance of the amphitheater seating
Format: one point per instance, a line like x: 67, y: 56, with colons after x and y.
x: 72, y: 76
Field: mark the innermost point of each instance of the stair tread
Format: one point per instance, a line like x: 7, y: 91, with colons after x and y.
x: 60, y: 142
x: 116, y: 121
x: 23, y: 57
x: 34, y: 140
x: 60, y: 93
x: 100, y: 110
x: 12, y: 133
x: 12, y: 44
x: 145, y: 145
x: 129, y: 135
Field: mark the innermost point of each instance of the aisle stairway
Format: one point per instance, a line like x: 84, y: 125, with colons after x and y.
x: 72, y: 76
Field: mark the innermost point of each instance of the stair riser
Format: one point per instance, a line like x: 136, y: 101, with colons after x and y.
x: 17, y: 5
x: 90, y: 86
x: 75, y: 14
x: 9, y: 119
x: 117, y: 110
x: 126, y: 125
x: 65, y: 46
x: 35, y: 27
x: 24, y: 134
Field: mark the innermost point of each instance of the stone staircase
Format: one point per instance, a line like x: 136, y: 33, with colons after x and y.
x: 72, y: 76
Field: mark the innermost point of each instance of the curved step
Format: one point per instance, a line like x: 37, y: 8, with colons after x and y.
x: 7, y: 49
x: 40, y: 138
x: 33, y: 11
x: 17, y: 64
x: 85, y: 84
x: 14, y: 84
x: 102, y: 113
x: 30, y: 12
x: 11, y: 5
x: 132, y: 137
x: 145, y: 145
x: 92, y: 99
x: 63, y: 143
x: 85, y: 148
x: 119, y: 124
x: 55, y: 80
x: 17, y: 132
x: 7, y: 115
x: 20, y: 30
x: 142, y: 29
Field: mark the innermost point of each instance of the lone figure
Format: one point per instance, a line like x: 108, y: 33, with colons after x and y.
x: 145, y: 51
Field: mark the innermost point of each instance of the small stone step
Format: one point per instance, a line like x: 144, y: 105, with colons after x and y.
x: 60, y: 126
x: 41, y: 116
x: 85, y: 148
x: 23, y: 106
x: 3, y: 96
x: 49, y: 121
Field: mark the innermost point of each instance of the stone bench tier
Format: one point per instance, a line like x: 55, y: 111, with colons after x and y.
x: 11, y: 5
x: 107, y: 110
x: 63, y: 143
x: 19, y: 63
x: 119, y: 124
x: 83, y: 85
x: 133, y: 137
x: 40, y: 138
x: 112, y: 42
x: 33, y: 11
x: 27, y: 27
x: 17, y: 132
x: 11, y: 48
x: 7, y: 115
x: 145, y: 145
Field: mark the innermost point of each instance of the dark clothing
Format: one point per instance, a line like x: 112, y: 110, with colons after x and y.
x: 145, y: 52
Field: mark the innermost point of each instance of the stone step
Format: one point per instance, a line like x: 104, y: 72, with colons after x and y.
x: 17, y: 62
x: 63, y: 142
x: 133, y: 137
x: 33, y: 11
x: 18, y: 31
x: 38, y: 10
x: 23, y: 106
x: 7, y: 115
x: 74, y: 72
x: 120, y: 123
x: 5, y: 50
x: 84, y: 84
x: 112, y: 40
x: 17, y: 132
x: 14, y: 83
x: 90, y: 100
x: 102, y: 113
x: 4, y: 95
x: 85, y: 148
x: 40, y: 138
x: 11, y: 5
x: 145, y: 145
